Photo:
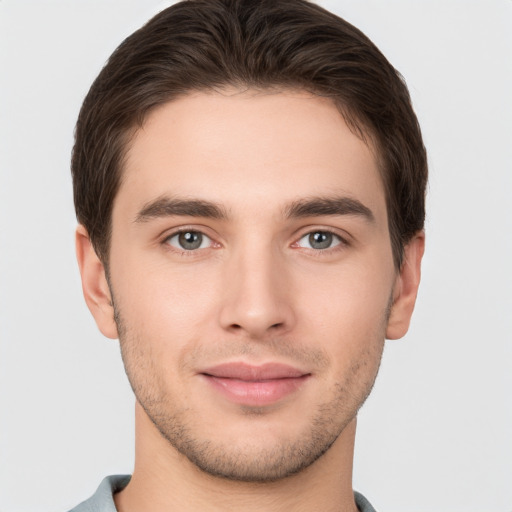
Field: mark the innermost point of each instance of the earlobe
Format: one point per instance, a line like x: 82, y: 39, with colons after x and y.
x: 406, y: 288
x: 94, y: 284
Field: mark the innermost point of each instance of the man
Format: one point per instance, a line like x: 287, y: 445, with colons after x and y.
x: 249, y: 180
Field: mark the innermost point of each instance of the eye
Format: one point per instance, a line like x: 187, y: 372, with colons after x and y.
x: 189, y: 240
x: 319, y: 240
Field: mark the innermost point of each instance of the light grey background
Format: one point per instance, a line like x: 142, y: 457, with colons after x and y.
x: 436, y: 433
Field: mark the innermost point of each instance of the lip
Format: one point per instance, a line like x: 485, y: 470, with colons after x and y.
x: 256, y: 386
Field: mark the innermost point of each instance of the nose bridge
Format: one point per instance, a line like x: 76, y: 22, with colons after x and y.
x: 256, y: 298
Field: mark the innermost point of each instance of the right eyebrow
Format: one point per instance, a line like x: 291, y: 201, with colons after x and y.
x: 167, y: 207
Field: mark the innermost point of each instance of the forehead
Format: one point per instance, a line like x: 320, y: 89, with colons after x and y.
x: 247, y: 148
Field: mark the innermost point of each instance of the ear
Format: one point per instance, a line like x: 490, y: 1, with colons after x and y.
x: 94, y: 284
x: 406, y: 288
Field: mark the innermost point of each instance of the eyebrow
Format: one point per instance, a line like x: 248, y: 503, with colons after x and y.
x: 168, y: 207
x: 318, y: 206
x: 311, y: 207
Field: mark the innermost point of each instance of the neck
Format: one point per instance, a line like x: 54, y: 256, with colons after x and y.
x: 164, y: 480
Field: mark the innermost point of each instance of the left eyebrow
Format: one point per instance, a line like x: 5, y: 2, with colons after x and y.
x: 319, y: 206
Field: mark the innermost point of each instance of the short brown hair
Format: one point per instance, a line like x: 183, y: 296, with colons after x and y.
x: 199, y: 45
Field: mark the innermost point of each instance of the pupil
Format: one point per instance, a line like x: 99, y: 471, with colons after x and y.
x: 190, y: 240
x: 320, y: 240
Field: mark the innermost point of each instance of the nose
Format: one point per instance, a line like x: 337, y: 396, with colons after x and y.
x: 257, y: 297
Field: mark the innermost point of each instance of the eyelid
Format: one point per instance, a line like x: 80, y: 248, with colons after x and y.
x: 312, y: 228
x: 204, y: 239
x: 344, y: 239
x: 183, y: 228
x: 170, y: 233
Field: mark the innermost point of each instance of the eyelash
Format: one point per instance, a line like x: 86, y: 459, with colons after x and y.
x: 182, y: 251
x: 339, y: 242
x: 340, y: 245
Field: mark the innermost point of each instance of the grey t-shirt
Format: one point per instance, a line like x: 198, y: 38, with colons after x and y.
x: 103, y: 498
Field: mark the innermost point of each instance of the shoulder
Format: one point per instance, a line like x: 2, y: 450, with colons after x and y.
x: 362, y: 503
x: 102, y: 500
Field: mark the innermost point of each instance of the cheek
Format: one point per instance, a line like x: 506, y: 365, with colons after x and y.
x: 165, y: 303
x: 348, y: 319
x: 351, y: 301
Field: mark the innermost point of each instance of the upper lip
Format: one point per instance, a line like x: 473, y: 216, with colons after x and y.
x: 248, y: 372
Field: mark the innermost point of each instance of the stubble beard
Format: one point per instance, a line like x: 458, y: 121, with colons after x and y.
x: 251, y: 462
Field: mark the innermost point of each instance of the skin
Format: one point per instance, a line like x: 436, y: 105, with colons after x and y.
x: 258, y: 290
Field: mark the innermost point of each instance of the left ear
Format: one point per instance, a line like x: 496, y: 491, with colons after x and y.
x: 406, y: 288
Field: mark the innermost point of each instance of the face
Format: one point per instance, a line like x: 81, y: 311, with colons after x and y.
x: 252, y: 277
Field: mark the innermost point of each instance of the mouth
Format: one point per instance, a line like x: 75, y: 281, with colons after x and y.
x: 256, y: 386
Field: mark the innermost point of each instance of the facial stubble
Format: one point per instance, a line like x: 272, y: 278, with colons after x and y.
x: 252, y: 462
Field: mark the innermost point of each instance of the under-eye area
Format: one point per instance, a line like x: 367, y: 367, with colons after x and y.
x: 188, y: 240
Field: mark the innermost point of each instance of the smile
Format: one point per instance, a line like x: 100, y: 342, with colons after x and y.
x: 255, y: 385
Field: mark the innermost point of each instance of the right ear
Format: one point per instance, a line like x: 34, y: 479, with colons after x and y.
x: 94, y: 284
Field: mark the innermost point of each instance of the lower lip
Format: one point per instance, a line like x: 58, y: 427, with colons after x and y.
x: 256, y: 393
